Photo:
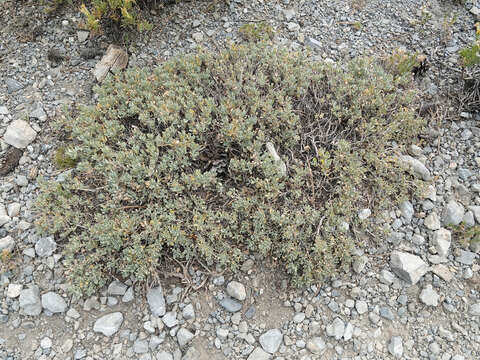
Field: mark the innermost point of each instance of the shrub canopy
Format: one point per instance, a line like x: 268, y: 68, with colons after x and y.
x: 174, y: 162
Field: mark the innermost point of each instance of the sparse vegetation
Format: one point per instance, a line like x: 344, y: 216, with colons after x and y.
x: 62, y: 160
x: 467, y: 236
x: 256, y: 32
x: 175, y: 163
x: 7, y: 261
x: 402, y: 62
x: 470, y: 55
x: 123, y: 12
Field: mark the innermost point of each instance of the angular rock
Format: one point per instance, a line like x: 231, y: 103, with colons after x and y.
x: 188, y: 312
x: 364, y: 214
x: 114, y: 60
x: 429, y: 296
x: 432, y: 221
x: 395, y: 347
x: 170, y: 319
x: 67, y: 346
x: 289, y: 14
x: 406, y: 208
x: 419, y: 170
x: 361, y: 306
x: 38, y: 113
x: 230, y: 305
x: 13, y: 85
x: 163, y: 355
x: 13, y: 209
x: 45, y: 246
x: 128, y: 296
x: 116, y: 288
x: 468, y: 219
x: 82, y: 36
x: 476, y: 212
x: 442, y: 239
x: 259, y: 354
x: 156, y: 301
x: 30, y: 301
x: 452, y: 213
x: 236, y: 290
x: 271, y: 340
x: 14, y: 290
x: 108, y: 324
x: 316, y: 345
x: 442, y: 272
x: 408, y: 267
x: 475, y: 309
x: 7, y: 243
x: 53, y: 302
x: 336, y: 328
x: 19, y: 134
x: 465, y: 257
x: 359, y: 264
x: 140, y: 346
x: 347, y: 335
x: 184, y: 336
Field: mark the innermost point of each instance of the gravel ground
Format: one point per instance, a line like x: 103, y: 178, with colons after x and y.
x: 414, y: 296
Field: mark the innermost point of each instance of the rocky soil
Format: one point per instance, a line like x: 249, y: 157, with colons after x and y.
x: 413, y: 295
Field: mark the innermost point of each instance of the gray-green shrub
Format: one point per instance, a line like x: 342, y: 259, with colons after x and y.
x: 174, y: 162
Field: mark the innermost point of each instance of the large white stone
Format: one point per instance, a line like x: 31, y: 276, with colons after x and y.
x: 108, y: 324
x: 19, y: 134
x: 408, y: 267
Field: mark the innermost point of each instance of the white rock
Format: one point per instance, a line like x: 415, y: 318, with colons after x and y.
x: 408, y: 267
x: 236, y: 290
x: 419, y: 170
x: 476, y: 212
x: 289, y: 14
x: 452, y: 213
x: 429, y: 296
x: 316, y: 345
x: 13, y: 209
x: 395, y: 347
x: 406, y: 208
x: 184, y: 336
x: 336, y: 328
x: 442, y: 239
x: 7, y: 243
x: 156, y: 301
x: 82, y: 35
x: 19, y: 134
x: 198, y: 37
x: 108, y: 324
x: 364, y: 214
x: 46, y: 343
x: 30, y: 301
x: 432, y: 221
x: 271, y: 340
x: 14, y: 290
x: 53, y: 302
x: 259, y: 354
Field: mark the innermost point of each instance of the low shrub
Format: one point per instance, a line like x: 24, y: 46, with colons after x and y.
x: 62, y: 160
x: 470, y: 55
x: 174, y: 162
x: 122, y: 12
x: 256, y: 32
x: 402, y: 62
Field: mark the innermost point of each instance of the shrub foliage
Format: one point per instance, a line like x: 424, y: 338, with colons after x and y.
x: 122, y: 12
x: 174, y: 162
